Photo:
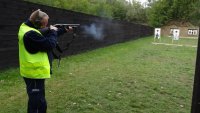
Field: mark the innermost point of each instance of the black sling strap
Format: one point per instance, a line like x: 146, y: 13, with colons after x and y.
x: 57, y: 55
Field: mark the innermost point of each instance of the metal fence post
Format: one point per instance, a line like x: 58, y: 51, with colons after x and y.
x: 195, y: 108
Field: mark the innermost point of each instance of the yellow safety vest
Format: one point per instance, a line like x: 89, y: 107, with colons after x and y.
x: 36, y: 65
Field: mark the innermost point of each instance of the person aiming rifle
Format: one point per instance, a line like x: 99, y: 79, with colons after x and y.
x: 57, y: 55
x: 35, y: 50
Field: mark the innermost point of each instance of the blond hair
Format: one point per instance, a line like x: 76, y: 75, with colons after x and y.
x: 37, y: 16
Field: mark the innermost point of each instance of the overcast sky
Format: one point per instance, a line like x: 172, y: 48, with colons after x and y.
x: 142, y: 1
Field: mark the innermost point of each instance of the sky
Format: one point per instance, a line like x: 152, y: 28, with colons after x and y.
x: 142, y: 1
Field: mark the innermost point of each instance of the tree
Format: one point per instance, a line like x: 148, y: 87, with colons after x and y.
x: 159, y: 13
x: 116, y: 9
x: 162, y: 11
x: 194, y: 15
x: 181, y: 9
x: 119, y: 10
x: 136, y: 13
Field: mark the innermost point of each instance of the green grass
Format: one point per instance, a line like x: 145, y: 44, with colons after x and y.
x: 131, y: 77
x: 181, y: 41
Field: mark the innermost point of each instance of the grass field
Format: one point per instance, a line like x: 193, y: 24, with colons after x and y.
x: 181, y: 41
x: 131, y: 77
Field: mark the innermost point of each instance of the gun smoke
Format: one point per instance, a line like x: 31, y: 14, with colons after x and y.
x: 94, y: 31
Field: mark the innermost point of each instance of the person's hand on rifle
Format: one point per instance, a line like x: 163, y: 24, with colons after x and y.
x: 69, y: 29
x: 53, y: 28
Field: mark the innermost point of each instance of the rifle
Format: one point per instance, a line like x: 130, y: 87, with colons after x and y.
x: 60, y: 50
x: 74, y: 27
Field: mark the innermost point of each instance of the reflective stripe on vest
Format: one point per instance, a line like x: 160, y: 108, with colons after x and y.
x: 32, y: 65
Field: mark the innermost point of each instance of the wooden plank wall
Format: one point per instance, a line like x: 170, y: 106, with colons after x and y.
x: 14, y: 12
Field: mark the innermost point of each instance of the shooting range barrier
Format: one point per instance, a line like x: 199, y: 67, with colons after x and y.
x: 14, y: 12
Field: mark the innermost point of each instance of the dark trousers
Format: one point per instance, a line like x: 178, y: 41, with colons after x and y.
x: 36, y: 95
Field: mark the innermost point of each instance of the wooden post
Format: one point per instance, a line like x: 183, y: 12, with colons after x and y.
x: 195, y: 108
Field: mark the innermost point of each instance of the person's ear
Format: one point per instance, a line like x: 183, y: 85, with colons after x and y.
x: 44, y: 22
x: 38, y: 23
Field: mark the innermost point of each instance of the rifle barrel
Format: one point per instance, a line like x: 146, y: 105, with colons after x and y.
x: 73, y: 25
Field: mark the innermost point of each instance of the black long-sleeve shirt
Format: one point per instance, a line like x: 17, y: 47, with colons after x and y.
x: 35, y: 42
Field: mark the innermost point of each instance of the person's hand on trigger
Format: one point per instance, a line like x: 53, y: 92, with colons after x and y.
x: 53, y: 28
